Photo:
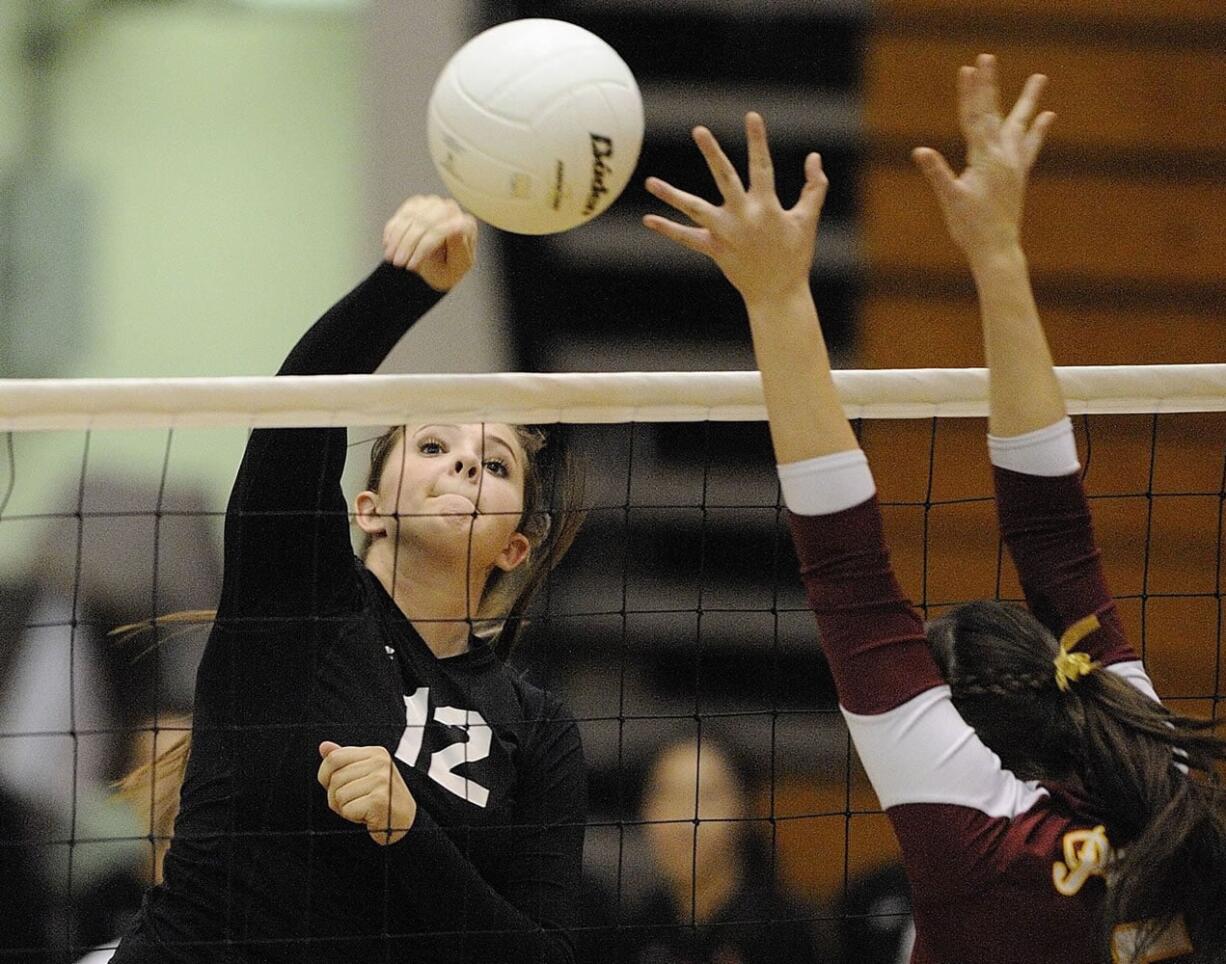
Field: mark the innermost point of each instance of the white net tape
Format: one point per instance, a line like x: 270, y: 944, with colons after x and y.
x: 330, y: 400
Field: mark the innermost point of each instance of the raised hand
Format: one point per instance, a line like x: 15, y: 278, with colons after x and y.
x: 983, y: 204
x: 761, y: 247
x: 432, y: 237
x: 365, y: 787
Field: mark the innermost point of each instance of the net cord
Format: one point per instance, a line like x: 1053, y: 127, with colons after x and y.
x: 572, y: 397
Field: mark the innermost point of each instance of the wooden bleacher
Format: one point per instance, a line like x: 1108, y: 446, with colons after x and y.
x: 1124, y: 235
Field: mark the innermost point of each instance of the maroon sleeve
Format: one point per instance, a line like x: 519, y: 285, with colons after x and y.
x: 1045, y: 522
x: 872, y: 637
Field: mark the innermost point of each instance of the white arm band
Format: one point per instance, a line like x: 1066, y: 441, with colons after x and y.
x: 1046, y: 451
x: 829, y: 483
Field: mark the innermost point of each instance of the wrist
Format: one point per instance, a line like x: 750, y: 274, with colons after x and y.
x: 991, y: 259
x: 771, y: 301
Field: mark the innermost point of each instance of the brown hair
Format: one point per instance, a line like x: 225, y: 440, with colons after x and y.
x: 152, y: 787
x: 552, y: 515
x: 1167, y: 827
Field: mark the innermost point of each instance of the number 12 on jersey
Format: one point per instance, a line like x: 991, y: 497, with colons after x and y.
x: 443, y: 762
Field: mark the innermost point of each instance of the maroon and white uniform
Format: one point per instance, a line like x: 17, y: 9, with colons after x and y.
x: 1002, y: 870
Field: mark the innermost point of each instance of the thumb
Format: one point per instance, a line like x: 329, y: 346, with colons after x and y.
x: 326, y: 747
x: 936, y: 170
x: 460, y: 247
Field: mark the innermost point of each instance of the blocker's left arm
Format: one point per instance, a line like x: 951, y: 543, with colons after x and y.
x: 1044, y: 516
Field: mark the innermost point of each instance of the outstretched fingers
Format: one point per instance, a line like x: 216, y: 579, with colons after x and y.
x: 937, y: 172
x: 987, y: 88
x: 813, y: 193
x: 1027, y: 102
x: 1032, y: 142
x: 726, y: 178
x: 978, y: 102
x: 692, y: 206
x: 761, y: 167
x: 696, y: 239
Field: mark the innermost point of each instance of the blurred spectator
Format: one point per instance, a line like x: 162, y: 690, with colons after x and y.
x: 875, y: 920
x: 70, y: 698
x: 717, y: 900
x: 151, y: 788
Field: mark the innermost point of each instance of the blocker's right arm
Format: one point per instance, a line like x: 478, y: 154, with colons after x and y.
x: 287, y: 524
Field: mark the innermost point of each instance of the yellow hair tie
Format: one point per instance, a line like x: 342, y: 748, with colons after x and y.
x: 1070, y: 667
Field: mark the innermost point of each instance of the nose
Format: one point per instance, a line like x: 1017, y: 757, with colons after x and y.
x: 467, y: 467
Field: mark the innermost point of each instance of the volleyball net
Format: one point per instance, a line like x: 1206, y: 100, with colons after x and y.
x: 677, y: 620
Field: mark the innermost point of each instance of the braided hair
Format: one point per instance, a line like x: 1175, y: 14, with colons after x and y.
x: 1153, y: 775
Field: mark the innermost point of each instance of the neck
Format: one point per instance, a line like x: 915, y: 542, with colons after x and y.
x: 440, y: 600
x: 707, y: 893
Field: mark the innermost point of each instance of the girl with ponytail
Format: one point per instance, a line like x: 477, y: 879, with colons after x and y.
x: 1049, y: 808
x: 367, y: 778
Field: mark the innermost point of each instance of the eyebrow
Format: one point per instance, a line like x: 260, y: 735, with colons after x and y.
x: 485, y: 432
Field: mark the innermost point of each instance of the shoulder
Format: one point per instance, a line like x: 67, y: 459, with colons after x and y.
x: 550, y: 734
x: 952, y: 848
x: 539, y: 704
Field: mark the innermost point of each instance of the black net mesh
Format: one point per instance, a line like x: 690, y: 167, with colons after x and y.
x: 727, y: 817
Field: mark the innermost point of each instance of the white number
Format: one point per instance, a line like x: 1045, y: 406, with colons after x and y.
x: 476, y: 747
x: 416, y: 710
x: 444, y: 761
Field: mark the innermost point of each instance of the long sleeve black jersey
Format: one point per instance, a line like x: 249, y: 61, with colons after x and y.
x: 308, y: 646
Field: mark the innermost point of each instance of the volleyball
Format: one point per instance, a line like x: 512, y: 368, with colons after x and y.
x: 535, y: 126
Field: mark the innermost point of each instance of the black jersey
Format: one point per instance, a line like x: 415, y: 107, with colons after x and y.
x: 307, y: 647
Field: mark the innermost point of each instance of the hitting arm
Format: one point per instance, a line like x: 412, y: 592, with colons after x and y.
x: 287, y: 527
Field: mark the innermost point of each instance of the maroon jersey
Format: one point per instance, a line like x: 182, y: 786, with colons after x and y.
x: 1002, y: 870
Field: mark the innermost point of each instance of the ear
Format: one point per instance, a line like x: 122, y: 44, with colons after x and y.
x: 366, y: 513
x: 516, y: 551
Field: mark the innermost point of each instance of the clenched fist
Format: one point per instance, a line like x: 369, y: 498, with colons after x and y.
x: 365, y: 787
x: 432, y: 237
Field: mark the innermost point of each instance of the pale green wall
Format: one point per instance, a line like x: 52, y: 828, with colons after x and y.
x: 11, y: 128
x: 222, y: 149
x: 224, y: 146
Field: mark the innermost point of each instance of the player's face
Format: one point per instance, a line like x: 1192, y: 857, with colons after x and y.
x: 456, y: 489
x: 685, y: 783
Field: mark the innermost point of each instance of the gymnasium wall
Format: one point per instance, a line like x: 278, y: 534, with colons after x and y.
x: 11, y: 126
x: 206, y: 201
x: 1123, y: 232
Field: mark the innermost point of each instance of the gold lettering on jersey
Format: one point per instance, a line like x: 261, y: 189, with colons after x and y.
x: 1172, y: 942
x: 1085, y: 856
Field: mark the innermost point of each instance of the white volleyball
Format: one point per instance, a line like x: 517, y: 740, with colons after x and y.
x: 535, y: 125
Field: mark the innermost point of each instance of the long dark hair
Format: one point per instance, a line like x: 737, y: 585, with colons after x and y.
x: 1167, y: 826
x: 552, y: 515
